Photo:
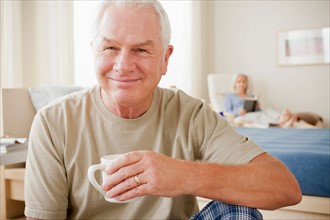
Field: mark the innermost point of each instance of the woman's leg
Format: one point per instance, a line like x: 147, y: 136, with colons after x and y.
x: 287, y: 119
x: 285, y: 116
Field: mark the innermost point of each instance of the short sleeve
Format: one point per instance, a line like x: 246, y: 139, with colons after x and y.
x: 220, y: 142
x: 46, y: 194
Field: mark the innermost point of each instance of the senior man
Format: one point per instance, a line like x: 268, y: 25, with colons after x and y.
x: 174, y: 146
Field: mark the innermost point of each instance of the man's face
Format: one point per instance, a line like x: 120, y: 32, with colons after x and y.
x: 129, y: 55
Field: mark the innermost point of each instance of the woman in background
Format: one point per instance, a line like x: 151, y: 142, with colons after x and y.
x: 234, y: 103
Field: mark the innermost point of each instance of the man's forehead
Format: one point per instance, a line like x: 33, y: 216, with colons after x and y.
x: 127, y: 9
x: 137, y: 43
x: 132, y: 28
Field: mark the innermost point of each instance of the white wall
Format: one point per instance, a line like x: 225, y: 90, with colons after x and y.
x: 244, y: 39
x: 234, y: 36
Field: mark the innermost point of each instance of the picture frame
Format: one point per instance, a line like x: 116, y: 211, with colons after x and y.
x: 303, y: 47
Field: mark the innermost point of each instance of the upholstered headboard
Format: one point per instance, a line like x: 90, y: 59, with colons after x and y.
x: 17, y: 112
x: 218, y: 86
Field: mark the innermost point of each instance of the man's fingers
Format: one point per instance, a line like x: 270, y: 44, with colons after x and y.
x: 132, y: 193
x: 123, y: 161
x: 124, y: 187
x: 122, y: 168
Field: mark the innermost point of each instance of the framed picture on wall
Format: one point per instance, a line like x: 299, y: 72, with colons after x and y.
x: 303, y: 47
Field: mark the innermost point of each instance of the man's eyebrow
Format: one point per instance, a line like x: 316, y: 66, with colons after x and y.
x: 104, y: 39
x: 147, y: 43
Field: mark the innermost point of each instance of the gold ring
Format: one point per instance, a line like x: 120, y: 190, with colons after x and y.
x: 137, y: 180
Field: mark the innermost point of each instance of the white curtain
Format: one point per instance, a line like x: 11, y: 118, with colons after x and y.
x: 36, y: 43
x: 55, y: 43
x: 11, y: 44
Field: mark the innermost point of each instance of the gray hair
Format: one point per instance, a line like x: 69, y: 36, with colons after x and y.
x: 163, y: 18
x: 247, y: 81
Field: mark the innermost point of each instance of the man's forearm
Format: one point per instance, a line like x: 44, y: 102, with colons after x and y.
x: 263, y: 183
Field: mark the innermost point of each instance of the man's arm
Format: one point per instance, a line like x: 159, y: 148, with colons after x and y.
x: 264, y: 182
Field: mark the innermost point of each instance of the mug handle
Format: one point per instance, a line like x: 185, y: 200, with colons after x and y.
x: 91, y: 170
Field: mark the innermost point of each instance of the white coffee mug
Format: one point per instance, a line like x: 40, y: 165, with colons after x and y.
x: 105, y: 160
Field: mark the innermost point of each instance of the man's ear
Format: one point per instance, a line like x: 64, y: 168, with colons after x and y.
x: 168, y: 53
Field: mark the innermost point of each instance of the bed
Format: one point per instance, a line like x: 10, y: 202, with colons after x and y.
x: 306, y: 152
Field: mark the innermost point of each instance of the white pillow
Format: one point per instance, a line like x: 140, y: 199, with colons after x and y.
x: 46, y: 94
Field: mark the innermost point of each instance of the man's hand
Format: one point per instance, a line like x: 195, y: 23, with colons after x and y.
x: 158, y: 175
x: 264, y: 182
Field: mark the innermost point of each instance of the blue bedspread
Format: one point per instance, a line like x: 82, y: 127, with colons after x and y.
x: 306, y: 152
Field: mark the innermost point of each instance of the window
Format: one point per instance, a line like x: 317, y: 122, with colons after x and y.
x: 83, y: 59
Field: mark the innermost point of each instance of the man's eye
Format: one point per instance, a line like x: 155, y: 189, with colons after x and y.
x: 141, y: 50
x: 110, y: 48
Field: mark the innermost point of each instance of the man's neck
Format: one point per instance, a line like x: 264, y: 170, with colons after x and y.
x: 129, y: 111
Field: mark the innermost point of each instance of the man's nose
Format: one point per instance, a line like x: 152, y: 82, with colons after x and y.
x: 124, y: 62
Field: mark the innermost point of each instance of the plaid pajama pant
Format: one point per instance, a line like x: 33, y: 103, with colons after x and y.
x: 217, y: 210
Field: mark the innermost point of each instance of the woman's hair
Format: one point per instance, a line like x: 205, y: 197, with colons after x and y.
x: 165, y: 26
x: 247, y: 81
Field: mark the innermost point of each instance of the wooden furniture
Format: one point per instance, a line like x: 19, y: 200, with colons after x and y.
x: 12, y: 191
x: 17, y: 116
x: 12, y: 183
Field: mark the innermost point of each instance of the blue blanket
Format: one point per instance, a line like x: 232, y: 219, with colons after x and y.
x: 306, y: 152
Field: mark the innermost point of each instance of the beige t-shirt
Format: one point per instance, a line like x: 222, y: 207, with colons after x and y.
x: 72, y: 133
